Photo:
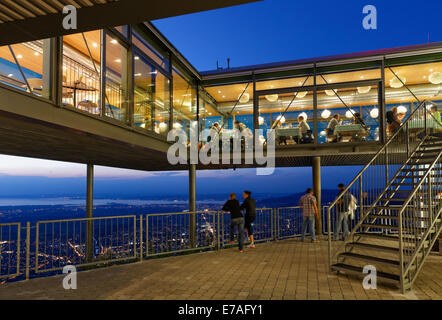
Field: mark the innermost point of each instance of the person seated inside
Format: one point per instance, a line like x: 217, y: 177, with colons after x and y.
x: 435, y: 115
x: 214, y: 130
x: 357, y: 119
x: 330, y: 130
x: 282, y: 139
x: 305, y: 133
x: 394, y: 120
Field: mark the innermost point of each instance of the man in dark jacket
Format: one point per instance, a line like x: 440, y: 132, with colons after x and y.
x: 249, y: 205
x: 342, y: 212
x: 236, y: 219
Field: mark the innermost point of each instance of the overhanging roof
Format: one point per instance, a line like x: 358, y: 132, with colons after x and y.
x: 326, y: 60
x: 27, y: 20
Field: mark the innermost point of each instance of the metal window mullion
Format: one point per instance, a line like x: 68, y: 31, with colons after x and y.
x: 103, y: 74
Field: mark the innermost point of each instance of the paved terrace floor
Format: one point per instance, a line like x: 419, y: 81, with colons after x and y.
x: 286, y: 269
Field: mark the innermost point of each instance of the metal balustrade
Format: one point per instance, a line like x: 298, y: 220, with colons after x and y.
x: 168, y: 233
x: 83, y: 242
x: 396, y: 190
x: 10, y: 249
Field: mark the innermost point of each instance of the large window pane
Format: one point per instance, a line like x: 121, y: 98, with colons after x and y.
x: 406, y: 85
x: 116, y: 80
x: 81, y: 71
x: 26, y: 66
x: 184, y: 101
x: 348, y: 76
x: 348, y: 114
x: 290, y: 114
x: 151, y: 94
x: 161, y: 58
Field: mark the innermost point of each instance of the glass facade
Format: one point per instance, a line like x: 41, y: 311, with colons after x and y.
x: 26, y: 66
x: 129, y: 75
x: 81, y: 71
x: 116, y: 77
x: 184, y: 101
x: 151, y: 96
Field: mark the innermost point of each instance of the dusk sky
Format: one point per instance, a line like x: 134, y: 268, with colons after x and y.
x: 267, y: 31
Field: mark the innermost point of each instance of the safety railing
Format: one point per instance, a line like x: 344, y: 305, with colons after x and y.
x: 288, y: 222
x: 168, y: 233
x: 83, y: 242
x: 420, y: 222
x: 369, y: 185
x: 48, y: 246
x: 10, y: 249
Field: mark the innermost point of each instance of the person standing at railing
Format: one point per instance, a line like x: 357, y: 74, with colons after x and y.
x: 249, y: 205
x: 342, y: 212
x: 236, y: 220
x: 309, y: 207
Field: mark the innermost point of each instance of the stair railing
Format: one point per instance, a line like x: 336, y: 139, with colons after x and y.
x: 370, y: 183
x: 419, y: 222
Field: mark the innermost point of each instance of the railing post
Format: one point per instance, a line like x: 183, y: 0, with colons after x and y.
x: 192, y: 205
x: 141, y: 238
x: 28, y: 248
x: 430, y: 198
x: 89, y: 213
x: 387, y: 179
x: 147, y: 235
x: 276, y: 223
x: 218, y: 240
x: 329, y: 238
x: 361, y: 199
x: 401, y: 253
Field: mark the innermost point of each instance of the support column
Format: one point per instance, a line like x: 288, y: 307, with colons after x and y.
x: 316, y: 172
x: 192, y: 205
x: 89, y: 211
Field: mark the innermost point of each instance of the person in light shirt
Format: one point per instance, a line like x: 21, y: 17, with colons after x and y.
x: 304, y: 130
x: 330, y: 130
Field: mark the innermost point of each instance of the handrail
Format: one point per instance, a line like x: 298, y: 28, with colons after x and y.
x: 377, y: 154
x: 412, y: 195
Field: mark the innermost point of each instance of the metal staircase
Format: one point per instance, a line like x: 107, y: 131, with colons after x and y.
x: 400, y: 205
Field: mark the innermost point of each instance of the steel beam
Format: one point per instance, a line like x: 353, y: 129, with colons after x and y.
x: 89, y: 211
x: 192, y: 205
x: 316, y: 172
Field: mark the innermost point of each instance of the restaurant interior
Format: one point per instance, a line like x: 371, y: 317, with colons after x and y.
x: 142, y: 86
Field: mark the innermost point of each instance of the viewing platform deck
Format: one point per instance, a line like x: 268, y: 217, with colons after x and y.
x: 287, y: 270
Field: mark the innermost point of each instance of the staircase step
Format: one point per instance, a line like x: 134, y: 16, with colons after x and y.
x: 415, y: 170
x: 398, y: 191
x: 395, y: 217
x: 380, y: 236
x: 379, y: 226
x: 434, y: 143
x: 375, y: 247
x: 342, y: 267
x: 418, y: 176
x: 394, y: 199
x: 435, y: 151
x: 370, y: 259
